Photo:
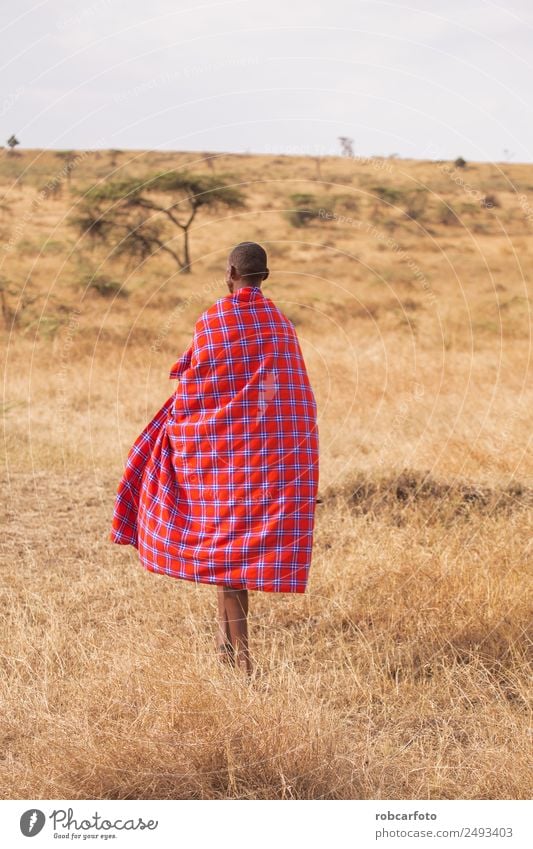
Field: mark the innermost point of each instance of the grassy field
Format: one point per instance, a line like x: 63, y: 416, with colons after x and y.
x: 405, y: 669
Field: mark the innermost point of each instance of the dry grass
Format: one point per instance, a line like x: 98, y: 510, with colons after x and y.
x: 405, y: 670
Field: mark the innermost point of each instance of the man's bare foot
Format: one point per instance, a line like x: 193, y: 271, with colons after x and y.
x: 244, y: 662
x: 226, y: 654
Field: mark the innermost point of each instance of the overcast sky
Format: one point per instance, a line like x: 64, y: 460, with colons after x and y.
x: 422, y: 79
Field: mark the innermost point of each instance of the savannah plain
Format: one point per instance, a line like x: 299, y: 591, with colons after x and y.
x: 404, y: 671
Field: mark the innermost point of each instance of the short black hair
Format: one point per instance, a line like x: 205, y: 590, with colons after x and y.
x: 250, y: 261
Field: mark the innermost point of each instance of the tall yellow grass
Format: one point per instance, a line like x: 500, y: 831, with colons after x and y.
x: 405, y: 669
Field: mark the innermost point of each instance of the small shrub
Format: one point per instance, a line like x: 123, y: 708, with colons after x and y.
x: 460, y: 162
x: 390, y: 225
x: 349, y: 203
x: 469, y: 208
x: 27, y: 247
x: 106, y: 287
x: 305, y: 210
x: 45, y: 326
x: 489, y: 202
x: 447, y: 215
x: 55, y: 190
x: 101, y: 284
x: 416, y: 203
x: 387, y: 194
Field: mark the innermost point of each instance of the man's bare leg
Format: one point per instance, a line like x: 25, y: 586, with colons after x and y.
x: 236, y: 607
x: 223, y: 637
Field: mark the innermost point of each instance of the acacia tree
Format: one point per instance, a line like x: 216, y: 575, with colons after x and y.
x: 12, y: 142
x: 346, y: 146
x: 139, y: 214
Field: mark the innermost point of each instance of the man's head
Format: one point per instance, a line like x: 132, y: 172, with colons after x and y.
x: 247, y: 266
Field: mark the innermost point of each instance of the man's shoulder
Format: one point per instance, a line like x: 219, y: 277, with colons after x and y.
x: 226, y: 307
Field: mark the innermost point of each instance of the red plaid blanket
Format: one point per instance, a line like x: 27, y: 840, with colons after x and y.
x: 221, y: 486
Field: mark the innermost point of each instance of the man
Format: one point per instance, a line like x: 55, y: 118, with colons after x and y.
x: 221, y: 486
